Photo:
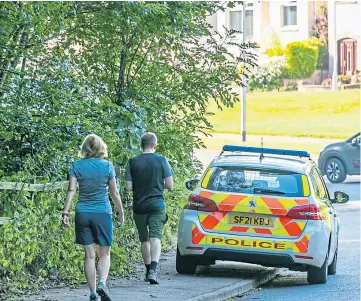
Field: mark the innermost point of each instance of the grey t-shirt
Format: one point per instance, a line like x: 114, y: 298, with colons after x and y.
x: 147, y: 172
x: 93, y: 176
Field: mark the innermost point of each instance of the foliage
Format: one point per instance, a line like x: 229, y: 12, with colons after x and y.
x: 327, y: 81
x: 277, y: 48
x: 320, y: 27
x: 37, y: 252
x: 288, y: 86
x: 344, y: 79
x: 301, y: 59
x: 268, y: 75
x: 116, y: 69
x: 322, y: 51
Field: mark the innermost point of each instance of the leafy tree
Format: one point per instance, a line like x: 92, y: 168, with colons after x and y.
x: 160, y: 65
x: 113, y: 68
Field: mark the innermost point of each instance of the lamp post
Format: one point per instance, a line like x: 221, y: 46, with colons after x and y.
x: 335, y: 54
x: 244, y: 88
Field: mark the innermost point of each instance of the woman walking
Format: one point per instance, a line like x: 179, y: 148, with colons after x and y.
x: 93, y: 213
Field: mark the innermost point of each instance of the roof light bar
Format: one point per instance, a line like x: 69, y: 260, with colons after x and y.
x: 259, y: 150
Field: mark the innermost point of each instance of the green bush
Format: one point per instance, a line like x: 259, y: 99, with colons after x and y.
x: 301, y: 59
x: 322, y: 51
x: 36, y: 252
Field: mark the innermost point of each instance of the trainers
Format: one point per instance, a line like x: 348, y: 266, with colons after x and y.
x: 146, y: 277
x: 152, y: 277
x: 94, y: 298
x: 103, y: 292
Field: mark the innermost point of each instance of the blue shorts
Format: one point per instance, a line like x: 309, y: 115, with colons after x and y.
x: 93, y: 228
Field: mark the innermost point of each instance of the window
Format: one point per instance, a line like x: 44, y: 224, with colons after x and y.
x: 249, y: 24
x: 236, y: 22
x: 289, y: 15
x: 318, y: 185
x: 260, y: 181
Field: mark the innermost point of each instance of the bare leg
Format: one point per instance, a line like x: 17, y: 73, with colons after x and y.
x: 145, y: 249
x: 155, y: 249
x: 89, y: 266
x: 104, y: 262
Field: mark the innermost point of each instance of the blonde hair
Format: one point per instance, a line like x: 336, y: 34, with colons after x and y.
x: 93, y: 147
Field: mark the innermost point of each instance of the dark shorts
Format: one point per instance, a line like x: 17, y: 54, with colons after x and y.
x: 150, y: 225
x: 93, y: 228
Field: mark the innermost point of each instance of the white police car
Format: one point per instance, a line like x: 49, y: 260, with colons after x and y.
x: 262, y: 206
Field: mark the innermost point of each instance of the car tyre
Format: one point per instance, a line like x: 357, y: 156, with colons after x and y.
x: 185, y: 264
x: 333, y: 265
x: 317, y: 275
x: 335, y: 170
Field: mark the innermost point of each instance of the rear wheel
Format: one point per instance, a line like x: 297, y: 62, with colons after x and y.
x: 318, y: 275
x: 185, y: 264
x: 335, y: 170
x: 332, y: 266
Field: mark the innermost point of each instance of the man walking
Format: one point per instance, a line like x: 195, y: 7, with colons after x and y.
x: 147, y: 175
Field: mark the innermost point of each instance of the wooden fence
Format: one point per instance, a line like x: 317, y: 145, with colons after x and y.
x: 16, y: 186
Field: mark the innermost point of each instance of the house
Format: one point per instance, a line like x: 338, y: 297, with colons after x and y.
x: 267, y: 22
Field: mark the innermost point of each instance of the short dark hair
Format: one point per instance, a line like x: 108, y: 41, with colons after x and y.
x: 148, y: 140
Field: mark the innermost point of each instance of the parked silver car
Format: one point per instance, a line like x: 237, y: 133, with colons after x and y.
x: 337, y: 160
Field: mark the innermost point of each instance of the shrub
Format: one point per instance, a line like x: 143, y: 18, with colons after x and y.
x: 327, y: 81
x: 301, y: 59
x: 268, y: 75
x: 277, y: 49
x: 322, y: 51
x: 36, y: 252
x: 344, y: 79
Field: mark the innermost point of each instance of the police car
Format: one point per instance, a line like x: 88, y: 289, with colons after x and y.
x: 263, y: 206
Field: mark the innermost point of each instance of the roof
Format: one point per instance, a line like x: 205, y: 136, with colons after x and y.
x: 268, y: 161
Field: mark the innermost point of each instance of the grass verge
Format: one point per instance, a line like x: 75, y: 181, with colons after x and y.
x: 302, y: 114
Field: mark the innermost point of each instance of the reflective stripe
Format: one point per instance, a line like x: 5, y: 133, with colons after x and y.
x: 207, y: 177
x: 306, y: 187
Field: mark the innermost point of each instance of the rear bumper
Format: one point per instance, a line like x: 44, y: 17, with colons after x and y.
x: 267, y: 251
x: 276, y: 260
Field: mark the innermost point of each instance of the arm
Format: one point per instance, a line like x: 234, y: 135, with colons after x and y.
x: 114, y: 193
x: 168, y: 183
x: 69, y: 200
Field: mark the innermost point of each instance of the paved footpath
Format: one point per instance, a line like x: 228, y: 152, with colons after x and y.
x: 209, y: 283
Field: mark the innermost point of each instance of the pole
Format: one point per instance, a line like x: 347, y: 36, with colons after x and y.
x: 335, y: 54
x: 244, y: 89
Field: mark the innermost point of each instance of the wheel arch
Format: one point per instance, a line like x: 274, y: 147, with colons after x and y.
x: 335, y: 155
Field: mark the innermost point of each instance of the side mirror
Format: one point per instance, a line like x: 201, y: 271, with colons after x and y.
x: 355, y: 142
x: 340, y: 197
x: 191, y: 185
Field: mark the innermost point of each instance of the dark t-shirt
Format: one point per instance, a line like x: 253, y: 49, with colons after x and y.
x: 147, y: 172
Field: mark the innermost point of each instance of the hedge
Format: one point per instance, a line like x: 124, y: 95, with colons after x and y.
x: 301, y: 59
x: 36, y: 252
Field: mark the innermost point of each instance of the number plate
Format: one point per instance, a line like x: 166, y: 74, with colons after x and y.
x: 248, y: 220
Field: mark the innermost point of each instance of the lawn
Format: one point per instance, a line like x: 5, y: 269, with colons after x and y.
x: 303, y: 114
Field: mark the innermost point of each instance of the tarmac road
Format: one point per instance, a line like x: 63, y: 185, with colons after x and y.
x: 345, y: 285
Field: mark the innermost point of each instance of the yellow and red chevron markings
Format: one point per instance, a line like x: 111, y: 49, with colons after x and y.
x: 300, y: 246
x: 277, y: 207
